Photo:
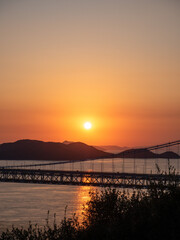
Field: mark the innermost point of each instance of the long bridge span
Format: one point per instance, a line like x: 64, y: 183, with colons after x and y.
x: 21, y: 174
x: 98, y: 179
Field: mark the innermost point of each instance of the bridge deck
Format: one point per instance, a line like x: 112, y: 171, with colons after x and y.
x: 82, y: 178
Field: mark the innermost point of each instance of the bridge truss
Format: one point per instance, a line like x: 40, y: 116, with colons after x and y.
x: 99, y: 179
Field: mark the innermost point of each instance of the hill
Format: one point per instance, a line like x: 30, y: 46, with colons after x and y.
x: 39, y: 150
x: 145, y: 153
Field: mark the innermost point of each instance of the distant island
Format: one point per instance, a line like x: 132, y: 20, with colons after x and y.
x: 145, y: 153
x: 39, y: 150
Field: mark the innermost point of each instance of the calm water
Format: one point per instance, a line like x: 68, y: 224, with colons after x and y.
x: 21, y: 203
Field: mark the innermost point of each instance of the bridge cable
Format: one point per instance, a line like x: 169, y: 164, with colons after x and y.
x: 134, y: 162
x: 123, y: 163
x: 178, y: 160
x: 113, y: 166
x: 102, y: 165
x: 92, y: 165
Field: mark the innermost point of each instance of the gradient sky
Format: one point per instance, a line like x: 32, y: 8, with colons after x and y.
x: 115, y: 63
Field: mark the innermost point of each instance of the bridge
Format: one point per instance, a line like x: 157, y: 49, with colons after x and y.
x: 30, y: 174
x: 98, y: 179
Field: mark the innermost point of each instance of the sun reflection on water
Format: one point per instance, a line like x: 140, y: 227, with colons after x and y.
x: 82, y: 198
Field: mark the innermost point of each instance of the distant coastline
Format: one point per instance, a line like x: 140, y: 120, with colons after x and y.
x: 75, y: 151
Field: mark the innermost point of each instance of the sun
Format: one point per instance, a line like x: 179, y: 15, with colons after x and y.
x: 87, y: 125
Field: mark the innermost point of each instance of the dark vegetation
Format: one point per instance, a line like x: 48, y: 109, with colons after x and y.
x: 111, y: 214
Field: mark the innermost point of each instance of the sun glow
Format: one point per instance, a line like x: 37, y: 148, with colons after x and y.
x: 87, y: 125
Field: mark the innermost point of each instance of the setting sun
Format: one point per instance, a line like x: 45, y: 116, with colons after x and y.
x: 87, y: 125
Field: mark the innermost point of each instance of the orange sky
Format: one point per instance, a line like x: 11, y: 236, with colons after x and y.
x: 114, y: 63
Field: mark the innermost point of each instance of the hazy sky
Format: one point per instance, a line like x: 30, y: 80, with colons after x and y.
x: 115, y: 63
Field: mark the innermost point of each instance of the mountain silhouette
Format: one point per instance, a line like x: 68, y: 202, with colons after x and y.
x: 39, y: 150
x: 145, y: 153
